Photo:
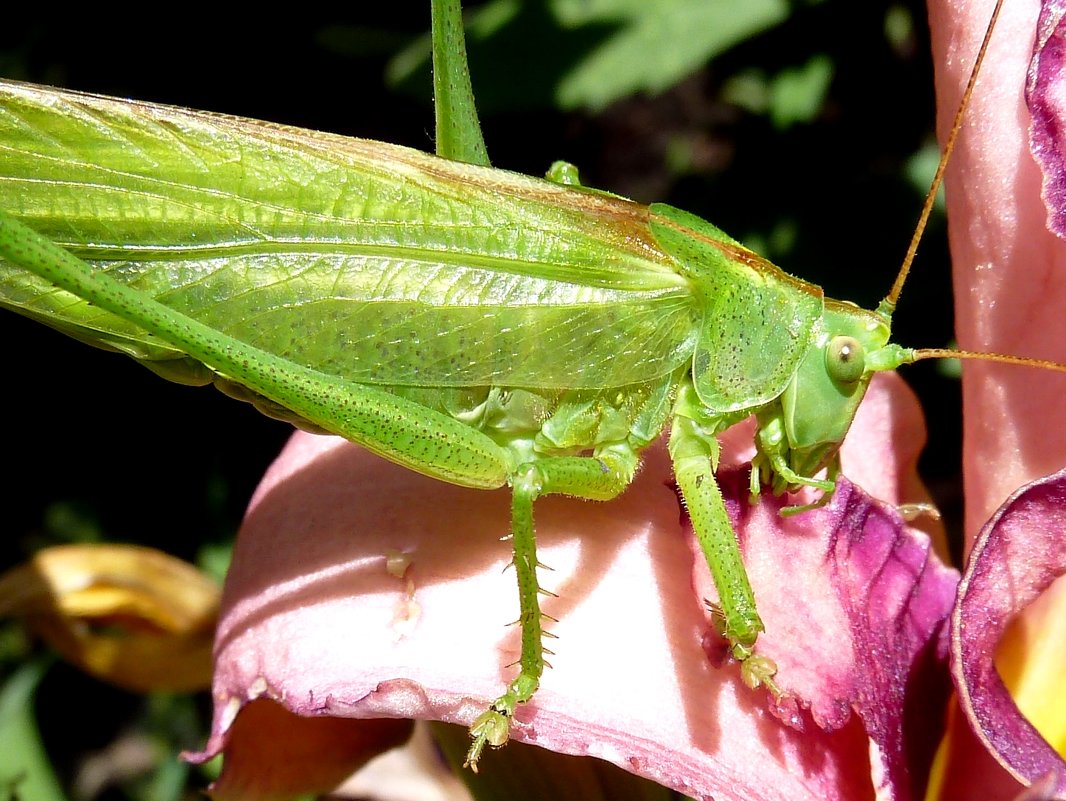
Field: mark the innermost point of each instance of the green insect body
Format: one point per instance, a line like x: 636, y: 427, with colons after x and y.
x: 474, y: 325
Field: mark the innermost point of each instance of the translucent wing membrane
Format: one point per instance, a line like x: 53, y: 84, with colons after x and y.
x: 360, y: 259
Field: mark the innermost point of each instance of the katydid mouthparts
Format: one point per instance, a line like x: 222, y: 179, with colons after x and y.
x: 475, y: 325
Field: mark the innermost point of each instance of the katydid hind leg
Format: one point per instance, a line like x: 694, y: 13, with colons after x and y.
x: 458, y: 129
x: 421, y: 439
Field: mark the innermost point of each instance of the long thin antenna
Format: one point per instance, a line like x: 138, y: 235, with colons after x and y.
x: 889, y: 303
x: 1003, y: 358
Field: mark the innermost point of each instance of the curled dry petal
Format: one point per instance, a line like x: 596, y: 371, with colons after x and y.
x: 319, y: 618
x: 1016, y: 557
x: 132, y: 616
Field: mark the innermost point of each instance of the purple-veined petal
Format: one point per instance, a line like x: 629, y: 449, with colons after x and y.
x: 1046, y: 97
x: 1010, y: 289
x: 1016, y: 557
x: 857, y: 621
x: 361, y: 591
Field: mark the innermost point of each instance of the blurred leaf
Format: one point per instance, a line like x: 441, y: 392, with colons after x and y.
x: 68, y: 521
x: 899, y: 27
x: 748, y: 89
x: 682, y: 34
x: 167, y: 782
x: 589, y: 53
x: 25, y: 771
x: 213, y: 558
x: 793, y: 95
x: 796, y: 95
x: 920, y: 168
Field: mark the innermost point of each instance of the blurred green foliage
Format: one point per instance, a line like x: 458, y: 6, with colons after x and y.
x: 803, y: 128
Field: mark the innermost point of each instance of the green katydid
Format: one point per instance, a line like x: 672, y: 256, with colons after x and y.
x: 477, y: 326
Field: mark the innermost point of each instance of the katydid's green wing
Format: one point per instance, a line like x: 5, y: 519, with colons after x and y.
x: 359, y: 259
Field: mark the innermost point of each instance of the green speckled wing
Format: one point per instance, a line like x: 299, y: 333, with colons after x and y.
x: 356, y: 258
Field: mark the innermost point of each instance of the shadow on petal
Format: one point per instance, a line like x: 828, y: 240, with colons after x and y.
x: 277, y: 755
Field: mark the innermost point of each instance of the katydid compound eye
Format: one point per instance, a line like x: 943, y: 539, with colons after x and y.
x: 845, y: 360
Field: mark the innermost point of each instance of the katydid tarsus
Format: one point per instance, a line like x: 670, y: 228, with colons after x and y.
x: 477, y: 326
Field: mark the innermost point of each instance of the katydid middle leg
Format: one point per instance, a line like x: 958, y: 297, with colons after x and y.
x: 599, y: 477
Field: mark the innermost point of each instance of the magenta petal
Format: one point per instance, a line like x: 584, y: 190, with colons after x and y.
x: 319, y: 616
x: 1017, y: 555
x: 1046, y: 96
x: 856, y: 622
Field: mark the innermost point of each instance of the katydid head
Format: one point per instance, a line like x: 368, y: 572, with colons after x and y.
x: 820, y: 401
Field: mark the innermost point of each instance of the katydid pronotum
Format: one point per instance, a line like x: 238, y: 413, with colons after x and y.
x: 478, y: 326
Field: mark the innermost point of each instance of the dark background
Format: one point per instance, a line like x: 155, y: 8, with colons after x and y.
x: 98, y: 447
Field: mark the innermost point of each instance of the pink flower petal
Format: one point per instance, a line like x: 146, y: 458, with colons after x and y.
x: 276, y: 755
x: 1017, y: 556
x: 1046, y: 98
x: 319, y: 616
x: 1009, y: 270
x: 1010, y: 282
x: 855, y: 623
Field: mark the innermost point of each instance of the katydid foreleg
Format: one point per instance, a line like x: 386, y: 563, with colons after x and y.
x: 694, y: 450
x: 770, y: 465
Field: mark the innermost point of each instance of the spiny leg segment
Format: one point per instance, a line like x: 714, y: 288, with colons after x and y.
x: 599, y: 477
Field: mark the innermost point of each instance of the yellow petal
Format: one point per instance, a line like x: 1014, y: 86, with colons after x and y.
x: 1031, y: 658
x: 132, y: 616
